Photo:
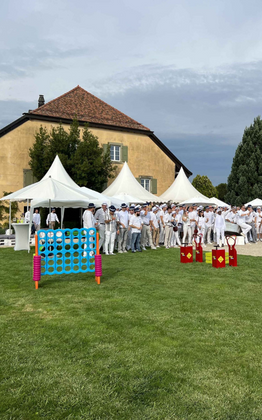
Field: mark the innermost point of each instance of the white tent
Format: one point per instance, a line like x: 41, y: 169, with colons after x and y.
x: 127, y: 198
x: 126, y: 183
x: 109, y: 200
x: 58, y: 172
x: 199, y: 200
x: 51, y: 189
x: 220, y: 203
x: 255, y: 203
x: 180, y: 190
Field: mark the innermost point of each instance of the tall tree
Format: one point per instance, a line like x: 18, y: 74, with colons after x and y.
x: 204, y: 186
x: 221, y: 191
x: 83, y: 159
x: 92, y: 166
x: 245, y: 180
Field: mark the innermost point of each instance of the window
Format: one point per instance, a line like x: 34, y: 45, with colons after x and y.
x: 115, y: 153
x: 145, y: 182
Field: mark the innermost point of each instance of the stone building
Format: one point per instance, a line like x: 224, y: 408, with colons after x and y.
x: 149, y: 159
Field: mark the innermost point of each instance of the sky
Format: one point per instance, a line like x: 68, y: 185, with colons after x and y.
x: 189, y: 70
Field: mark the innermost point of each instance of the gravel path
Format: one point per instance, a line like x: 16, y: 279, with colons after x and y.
x: 255, y: 250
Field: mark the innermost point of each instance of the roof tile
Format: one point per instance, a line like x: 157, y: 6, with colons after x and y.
x: 86, y: 107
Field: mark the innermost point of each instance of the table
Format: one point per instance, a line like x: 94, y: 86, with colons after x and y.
x: 22, y: 236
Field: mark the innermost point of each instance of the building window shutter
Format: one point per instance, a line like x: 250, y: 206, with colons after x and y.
x: 124, y: 154
x: 154, y: 186
x: 105, y: 146
x: 139, y: 180
x: 28, y: 177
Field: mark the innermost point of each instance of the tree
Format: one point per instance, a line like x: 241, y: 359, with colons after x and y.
x: 92, y: 167
x: 204, y: 186
x: 245, y: 180
x: 83, y: 159
x: 221, y: 191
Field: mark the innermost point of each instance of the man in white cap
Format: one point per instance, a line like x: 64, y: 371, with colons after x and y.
x: 100, y: 219
x: 110, y: 230
x: 123, y: 223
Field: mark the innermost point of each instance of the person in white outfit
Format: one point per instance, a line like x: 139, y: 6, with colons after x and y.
x: 201, y: 224
x: 100, y: 219
x: 51, y: 219
x: 88, y: 217
x: 186, y: 228
x: 175, y: 242
x: 36, y: 220
x: 259, y: 224
x: 209, y: 216
x: 168, y: 218
x: 219, y: 227
x: 242, y: 215
x: 110, y: 230
x: 123, y: 222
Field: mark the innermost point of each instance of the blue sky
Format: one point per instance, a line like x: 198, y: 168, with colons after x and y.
x: 188, y: 70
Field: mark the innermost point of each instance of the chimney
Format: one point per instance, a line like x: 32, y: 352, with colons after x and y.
x: 41, y: 100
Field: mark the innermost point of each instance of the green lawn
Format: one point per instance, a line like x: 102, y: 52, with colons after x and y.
x: 156, y: 340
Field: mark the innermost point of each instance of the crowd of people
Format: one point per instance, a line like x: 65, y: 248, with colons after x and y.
x: 137, y: 227
x: 140, y: 226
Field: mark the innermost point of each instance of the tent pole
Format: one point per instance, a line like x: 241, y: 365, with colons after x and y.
x: 62, y: 216
x: 27, y: 205
x: 9, y: 217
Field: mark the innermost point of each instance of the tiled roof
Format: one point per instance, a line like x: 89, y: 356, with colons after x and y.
x: 86, y: 107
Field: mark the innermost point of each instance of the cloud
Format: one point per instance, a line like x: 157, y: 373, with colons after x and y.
x: 24, y: 61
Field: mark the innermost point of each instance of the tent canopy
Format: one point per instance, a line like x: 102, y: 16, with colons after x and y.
x: 199, y: 200
x: 61, y: 195
x: 58, y: 172
x: 126, y: 183
x: 219, y: 203
x: 254, y: 203
x: 181, y: 189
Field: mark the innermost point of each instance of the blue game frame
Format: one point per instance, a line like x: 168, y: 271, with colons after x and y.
x: 67, y: 251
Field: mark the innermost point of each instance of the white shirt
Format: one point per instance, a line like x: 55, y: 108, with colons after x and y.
x: 100, y: 216
x: 209, y: 216
x: 137, y: 222
x: 88, y: 219
x: 123, y: 218
x: 220, y: 222
x: 111, y: 226
x: 192, y: 217
x: 242, y: 216
x: 27, y: 217
x: 145, y: 217
x: 36, y: 218
x: 178, y: 218
x: 52, y: 217
x: 154, y: 220
x: 167, y: 219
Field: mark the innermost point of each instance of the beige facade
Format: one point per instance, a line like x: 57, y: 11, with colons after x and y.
x: 145, y: 158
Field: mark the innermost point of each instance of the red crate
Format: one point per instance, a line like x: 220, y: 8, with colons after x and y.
x: 218, y: 258
x: 186, y: 254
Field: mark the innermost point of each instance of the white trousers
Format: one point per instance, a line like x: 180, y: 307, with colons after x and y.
x: 220, y: 232
x: 168, y: 233
x: 208, y: 234
x: 187, y: 231
x: 245, y: 228
x: 101, y: 231
x: 109, y: 241
x: 175, y: 239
